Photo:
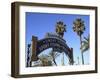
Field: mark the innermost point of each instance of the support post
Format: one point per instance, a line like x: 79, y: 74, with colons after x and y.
x: 34, y: 47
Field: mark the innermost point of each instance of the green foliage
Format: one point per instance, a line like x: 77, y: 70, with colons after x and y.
x: 79, y: 26
x: 85, y: 44
x: 46, y: 61
x: 60, y: 28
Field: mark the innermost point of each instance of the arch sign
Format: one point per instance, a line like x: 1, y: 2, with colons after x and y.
x: 51, y: 41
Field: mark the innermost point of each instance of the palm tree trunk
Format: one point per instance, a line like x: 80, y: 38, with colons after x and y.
x: 54, y: 62
x: 62, y: 59
x: 81, y: 50
x: 54, y: 58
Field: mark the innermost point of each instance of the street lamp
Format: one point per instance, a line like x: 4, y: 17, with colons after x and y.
x: 79, y: 28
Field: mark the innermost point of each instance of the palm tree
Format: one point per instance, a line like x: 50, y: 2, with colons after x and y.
x: 60, y: 28
x: 45, y: 60
x: 49, y: 59
x: 79, y: 28
x: 85, y: 44
x: 53, y: 55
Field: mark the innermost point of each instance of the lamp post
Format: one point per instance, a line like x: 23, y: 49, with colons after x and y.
x: 79, y: 28
x: 28, y: 54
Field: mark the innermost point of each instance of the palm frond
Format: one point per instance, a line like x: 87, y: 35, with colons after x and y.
x: 85, y: 44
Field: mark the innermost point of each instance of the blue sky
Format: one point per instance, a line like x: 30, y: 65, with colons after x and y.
x: 38, y: 24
